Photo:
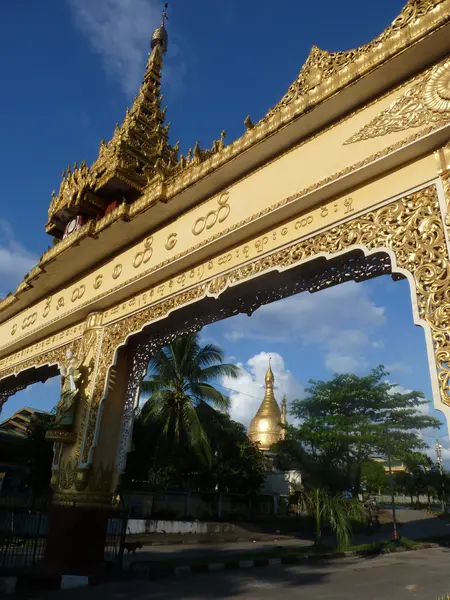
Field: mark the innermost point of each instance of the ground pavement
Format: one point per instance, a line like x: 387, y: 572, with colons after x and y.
x: 422, y: 575
x: 415, y: 524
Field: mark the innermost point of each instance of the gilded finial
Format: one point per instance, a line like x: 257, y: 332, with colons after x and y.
x: 160, y: 37
x: 248, y: 122
x: 269, y: 375
x: 164, y: 13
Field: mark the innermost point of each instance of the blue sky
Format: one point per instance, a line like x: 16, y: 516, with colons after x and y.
x: 71, y: 67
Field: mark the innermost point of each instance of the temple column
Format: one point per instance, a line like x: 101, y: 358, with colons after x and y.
x: 84, y: 477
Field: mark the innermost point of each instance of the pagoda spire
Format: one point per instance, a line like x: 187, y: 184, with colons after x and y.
x: 265, y: 428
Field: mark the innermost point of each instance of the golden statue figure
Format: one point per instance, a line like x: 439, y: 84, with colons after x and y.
x: 62, y: 430
x: 70, y: 377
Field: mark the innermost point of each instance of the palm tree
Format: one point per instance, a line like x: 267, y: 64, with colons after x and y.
x: 335, y: 510
x: 180, y: 376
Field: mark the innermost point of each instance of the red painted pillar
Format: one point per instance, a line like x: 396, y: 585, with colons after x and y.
x: 76, y: 540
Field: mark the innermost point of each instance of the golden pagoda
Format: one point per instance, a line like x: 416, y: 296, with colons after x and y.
x: 266, y: 427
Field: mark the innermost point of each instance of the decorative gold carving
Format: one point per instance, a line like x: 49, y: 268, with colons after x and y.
x: 410, y: 227
x: 90, y: 348
x: 437, y: 90
x: 179, y: 183
x: 426, y: 102
x: 285, y: 201
x: 98, y: 282
x: 113, y: 336
x: 78, y: 293
x: 213, y: 216
x: 85, y: 487
x: 145, y: 255
x: 335, y: 69
x: 29, y: 321
x: 61, y: 436
x: 445, y: 178
x: 52, y: 357
x: 117, y: 271
x: 137, y: 154
x: 171, y: 241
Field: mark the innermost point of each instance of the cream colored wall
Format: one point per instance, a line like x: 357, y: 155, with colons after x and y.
x: 248, y: 202
x: 338, y: 210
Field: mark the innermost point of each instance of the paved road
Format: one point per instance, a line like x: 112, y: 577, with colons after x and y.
x: 415, y: 525
x: 422, y: 575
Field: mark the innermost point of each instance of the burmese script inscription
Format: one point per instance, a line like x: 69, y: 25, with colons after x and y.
x: 320, y: 217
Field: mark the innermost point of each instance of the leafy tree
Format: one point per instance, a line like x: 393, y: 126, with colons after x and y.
x: 373, y: 476
x: 180, y: 381
x: 345, y: 421
x: 335, y: 510
x: 319, y: 470
x: 236, y: 463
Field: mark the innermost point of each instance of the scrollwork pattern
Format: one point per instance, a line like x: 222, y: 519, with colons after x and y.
x: 322, y: 66
x: 426, y: 102
x: 410, y: 227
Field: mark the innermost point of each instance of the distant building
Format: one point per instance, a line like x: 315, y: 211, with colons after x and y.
x: 20, y: 420
x: 396, y: 465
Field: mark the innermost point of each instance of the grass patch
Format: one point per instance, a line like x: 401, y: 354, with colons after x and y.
x: 383, y: 547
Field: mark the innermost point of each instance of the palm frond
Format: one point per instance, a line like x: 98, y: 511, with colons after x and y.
x: 207, y: 392
x: 197, y: 438
x: 219, y: 371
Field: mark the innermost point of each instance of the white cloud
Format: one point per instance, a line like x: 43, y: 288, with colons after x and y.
x: 117, y: 31
x: 15, y: 260
x: 120, y: 31
x: 249, y: 387
x: 340, y: 320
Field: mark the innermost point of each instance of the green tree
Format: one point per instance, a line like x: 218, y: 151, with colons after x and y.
x: 238, y: 466
x: 334, y: 510
x: 180, y: 380
x: 345, y: 421
x: 373, y: 476
x: 236, y: 463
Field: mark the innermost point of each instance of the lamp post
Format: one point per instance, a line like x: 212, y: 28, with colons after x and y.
x: 439, y: 447
x: 391, y: 484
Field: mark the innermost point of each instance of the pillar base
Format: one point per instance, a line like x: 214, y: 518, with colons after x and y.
x: 76, y: 540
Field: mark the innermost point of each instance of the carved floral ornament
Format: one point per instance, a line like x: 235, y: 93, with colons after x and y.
x: 323, y: 67
x: 411, y: 227
x: 425, y: 102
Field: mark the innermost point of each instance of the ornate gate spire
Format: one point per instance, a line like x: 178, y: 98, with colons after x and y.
x: 138, y: 152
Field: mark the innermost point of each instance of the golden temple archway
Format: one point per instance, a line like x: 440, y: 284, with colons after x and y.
x: 347, y: 177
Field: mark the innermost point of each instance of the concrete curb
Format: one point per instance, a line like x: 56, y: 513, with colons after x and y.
x: 148, y: 571
x: 44, y: 581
